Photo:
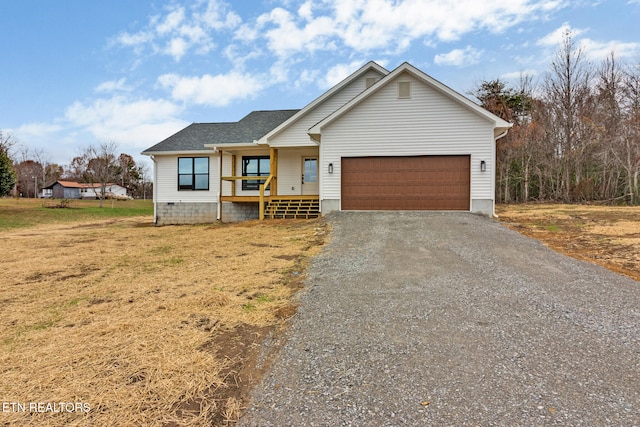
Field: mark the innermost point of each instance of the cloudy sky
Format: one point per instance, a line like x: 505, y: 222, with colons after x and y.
x: 78, y: 72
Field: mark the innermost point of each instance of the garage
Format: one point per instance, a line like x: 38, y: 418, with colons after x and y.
x: 406, y: 183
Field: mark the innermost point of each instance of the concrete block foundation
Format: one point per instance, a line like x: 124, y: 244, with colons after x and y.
x: 234, y: 212
x: 185, y: 213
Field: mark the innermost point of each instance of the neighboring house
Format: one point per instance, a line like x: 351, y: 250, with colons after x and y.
x: 378, y: 140
x: 82, y: 190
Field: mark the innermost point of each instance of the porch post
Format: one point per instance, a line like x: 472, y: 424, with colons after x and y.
x: 273, y: 167
x: 233, y: 173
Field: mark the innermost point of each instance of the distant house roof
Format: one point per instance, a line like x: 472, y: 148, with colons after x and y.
x: 250, y: 128
x: 73, y: 184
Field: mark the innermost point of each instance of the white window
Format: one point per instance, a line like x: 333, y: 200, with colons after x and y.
x: 404, y: 89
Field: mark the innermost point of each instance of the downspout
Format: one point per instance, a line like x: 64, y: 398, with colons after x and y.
x: 495, y: 164
x: 219, y: 214
x: 155, y: 189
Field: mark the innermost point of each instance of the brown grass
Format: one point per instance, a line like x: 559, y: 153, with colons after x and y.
x: 146, y: 325
x: 605, y: 235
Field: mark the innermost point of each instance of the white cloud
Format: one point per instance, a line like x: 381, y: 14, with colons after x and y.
x: 555, y: 37
x: 37, y: 130
x: 459, y: 57
x: 133, y: 122
x: 389, y: 25
x: 595, y: 50
x: 176, y: 48
x: 516, y: 75
x: 339, y: 72
x: 217, y: 16
x: 285, y: 37
x: 172, y: 21
x: 136, y: 39
x: 114, y: 86
x: 219, y: 90
x: 306, y: 77
x: 592, y: 49
x: 181, y: 30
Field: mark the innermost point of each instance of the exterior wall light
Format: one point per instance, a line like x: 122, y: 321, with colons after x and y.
x: 330, y: 167
x: 483, y: 166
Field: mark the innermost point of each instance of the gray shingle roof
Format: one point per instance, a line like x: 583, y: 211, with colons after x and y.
x: 250, y: 128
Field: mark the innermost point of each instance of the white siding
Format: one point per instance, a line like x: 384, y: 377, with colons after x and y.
x: 167, y: 181
x: 428, y: 123
x: 296, y: 134
x: 290, y: 170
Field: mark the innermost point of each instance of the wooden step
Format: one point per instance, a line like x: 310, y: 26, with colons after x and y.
x: 292, y: 208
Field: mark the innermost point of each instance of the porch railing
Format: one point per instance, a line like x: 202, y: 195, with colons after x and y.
x: 261, y: 203
x: 267, y: 180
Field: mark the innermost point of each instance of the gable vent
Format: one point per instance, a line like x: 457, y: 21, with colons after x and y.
x: 370, y: 81
x: 404, y: 89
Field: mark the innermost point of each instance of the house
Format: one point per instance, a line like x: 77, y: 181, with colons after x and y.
x: 82, y: 190
x: 378, y: 140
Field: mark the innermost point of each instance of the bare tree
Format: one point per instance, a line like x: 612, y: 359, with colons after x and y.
x: 628, y: 151
x: 145, y: 180
x: 569, y: 100
x: 608, y: 119
x: 7, y: 142
x: 102, y: 166
x: 28, y: 176
x: 74, y: 171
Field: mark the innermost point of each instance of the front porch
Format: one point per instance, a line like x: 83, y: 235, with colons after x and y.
x: 284, y: 207
x: 242, y: 188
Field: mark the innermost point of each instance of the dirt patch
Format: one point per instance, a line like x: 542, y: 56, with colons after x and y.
x: 606, y: 235
x: 246, y: 353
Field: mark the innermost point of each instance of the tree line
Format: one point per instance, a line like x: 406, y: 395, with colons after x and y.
x: 575, y: 135
x: 25, y: 172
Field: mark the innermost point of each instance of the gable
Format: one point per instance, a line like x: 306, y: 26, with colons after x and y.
x: 397, y: 79
x: 294, y: 132
x: 397, y: 117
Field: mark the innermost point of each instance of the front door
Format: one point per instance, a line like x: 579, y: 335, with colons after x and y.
x: 310, y: 175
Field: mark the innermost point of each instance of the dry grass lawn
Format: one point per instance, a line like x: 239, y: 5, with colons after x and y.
x: 606, y: 235
x: 163, y: 326
x: 145, y: 325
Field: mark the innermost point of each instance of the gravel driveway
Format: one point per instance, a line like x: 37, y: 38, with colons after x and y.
x: 435, y: 319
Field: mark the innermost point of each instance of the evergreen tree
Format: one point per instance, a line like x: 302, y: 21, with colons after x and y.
x: 7, y: 174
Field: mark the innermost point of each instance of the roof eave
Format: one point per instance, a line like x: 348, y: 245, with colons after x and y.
x: 174, y: 152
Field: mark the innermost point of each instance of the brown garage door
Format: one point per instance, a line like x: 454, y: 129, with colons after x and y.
x: 412, y: 183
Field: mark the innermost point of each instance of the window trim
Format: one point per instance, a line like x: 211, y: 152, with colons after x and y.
x: 254, y: 185
x: 193, y: 174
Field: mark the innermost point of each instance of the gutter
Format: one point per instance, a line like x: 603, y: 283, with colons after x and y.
x: 503, y: 134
